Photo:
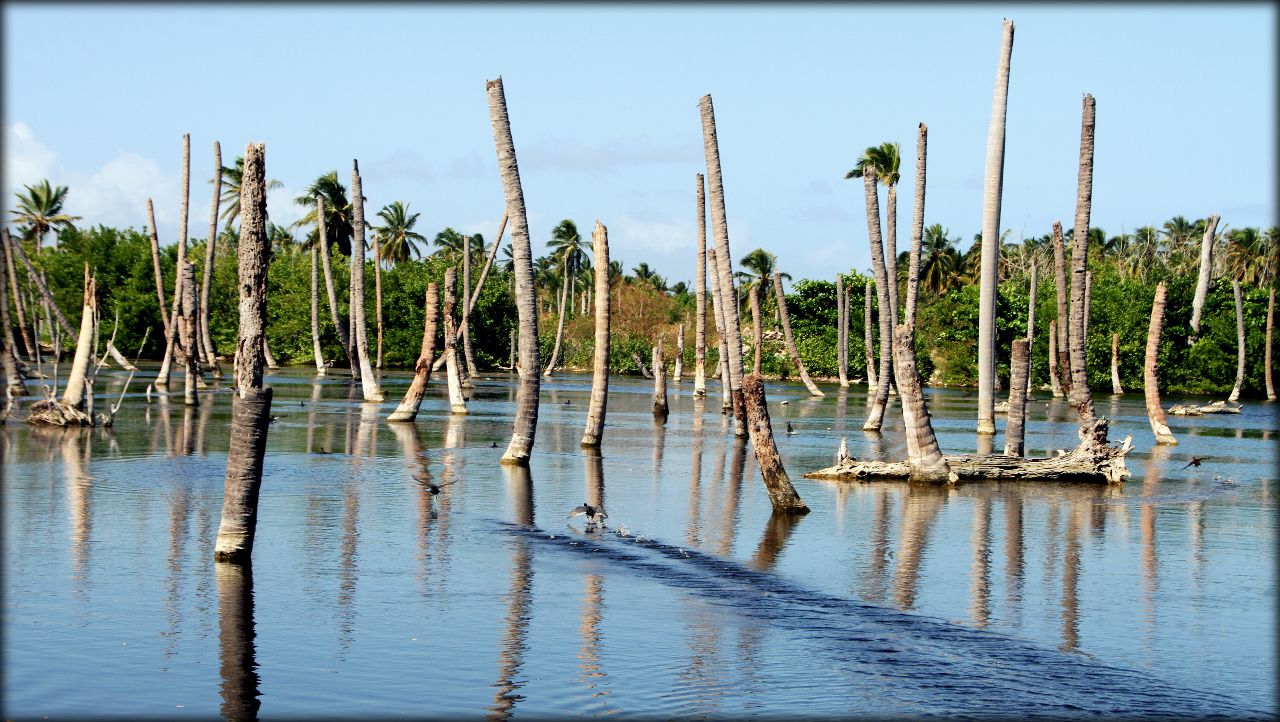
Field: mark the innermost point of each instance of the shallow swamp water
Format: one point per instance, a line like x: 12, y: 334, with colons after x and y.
x: 369, y: 596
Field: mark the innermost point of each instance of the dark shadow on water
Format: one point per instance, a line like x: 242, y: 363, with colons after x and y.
x: 920, y: 506
x: 777, y: 531
x: 237, y: 652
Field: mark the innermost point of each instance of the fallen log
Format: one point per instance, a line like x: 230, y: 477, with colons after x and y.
x: 1217, y: 407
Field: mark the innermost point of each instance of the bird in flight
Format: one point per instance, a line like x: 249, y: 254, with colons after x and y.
x: 433, y: 487
x: 592, y: 513
x: 1195, y: 461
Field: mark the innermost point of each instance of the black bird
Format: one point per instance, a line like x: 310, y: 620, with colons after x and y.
x: 432, y: 487
x: 591, y: 512
x: 302, y: 403
x: 567, y: 402
x: 274, y: 418
x: 1195, y: 460
x: 321, y: 450
x: 493, y: 445
x: 790, y: 430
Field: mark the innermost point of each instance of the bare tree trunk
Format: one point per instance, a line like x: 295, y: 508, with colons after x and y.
x: 462, y: 330
x: 1235, y: 291
x: 155, y: 262
x: 315, y: 310
x: 323, y: 239
x: 914, y: 413
x: 891, y: 252
x: 172, y: 351
x: 1116, y: 388
x: 992, y: 190
x: 924, y: 456
x: 700, y: 307
x: 875, y: 416
x: 457, y: 404
x: 1079, y: 392
x: 726, y: 403
x: 474, y: 298
x: 1088, y: 296
x: 1019, y: 368
x: 266, y: 353
x: 600, y: 356
x: 187, y: 318
x: 791, y: 343
x: 724, y: 259
x: 868, y: 346
x: 368, y: 383
x: 27, y: 342
x: 206, y: 337
x: 1063, y: 359
x: 917, y: 225
x: 1031, y: 322
x: 1053, y: 359
x: 526, y: 422
x: 555, y: 350
x: 782, y: 493
x: 408, y: 408
x: 659, y: 384
x: 679, y: 363
x: 13, y: 385
x: 74, y: 393
x: 43, y: 288
x: 1206, y: 273
x: 757, y: 332
x: 842, y: 334
x: 377, y: 296
x: 1150, y: 366
x: 1266, y: 353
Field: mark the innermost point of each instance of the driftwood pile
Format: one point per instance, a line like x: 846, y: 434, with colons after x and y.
x: 1217, y: 407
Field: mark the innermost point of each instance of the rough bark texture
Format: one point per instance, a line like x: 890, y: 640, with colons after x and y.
x: 842, y: 333
x: 555, y: 350
x: 457, y: 404
x: 408, y: 408
x: 331, y: 294
x: 155, y: 264
x: 377, y: 297
x: 315, y: 310
x: 1079, y: 394
x: 13, y: 385
x: 1088, y: 295
x: 1266, y: 353
x: 206, y: 337
x: 992, y: 189
x: 368, y: 382
x: 175, y: 348
x: 1206, y: 273
x: 191, y: 340
x: 465, y: 314
x: 1235, y: 292
x: 679, y: 362
x: 250, y: 421
x: 1116, y: 387
x: 526, y: 422
x: 791, y: 342
x: 1019, y: 364
x: 600, y: 357
x: 723, y: 356
x: 700, y: 299
x: 266, y: 352
x: 1031, y: 320
x: 917, y: 225
x: 782, y: 494
x: 875, y: 416
x: 873, y: 379
x: 1063, y: 359
x: 659, y: 384
x: 891, y: 252
x: 1150, y: 369
x: 757, y: 331
x: 724, y: 271
x: 924, y: 456
x: 74, y: 392
x: 1053, y: 359
x: 28, y: 343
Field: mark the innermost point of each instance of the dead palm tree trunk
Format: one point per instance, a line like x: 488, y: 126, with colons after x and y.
x: 875, y: 417
x: 1031, y: 321
x: 408, y: 408
x: 155, y: 261
x: 13, y: 385
x: 1053, y: 359
x: 600, y: 354
x: 187, y: 318
x: 1235, y: 291
x: 700, y: 299
x: 660, y: 408
x: 465, y: 339
x: 266, y: 353
x: 915, y: 414
x: 1266, y: 353
x: 917, y: 225
x: 526, y: 421
x: 1063, y: 359
x: 251, y: 404
x: 1079, y: 392
x: 368, y: 384
x: 564, y: 294
x: 1206, y: 272
x: 323, y: 239
x: 457, y: 404
x: 757, y: 332
x: 172, y: 352
x: 791, y: 343
x: 1019, y: 370
x: 74, y: 392
x: 891, y: 251
x: 782, y: 493
x: 991, y: 237
x: 1150, y: 383
x: 27, y: 342
x: 924, y: 455
x: 1116, y: 388
x: 724, y: 259
x: 868, y: 346
x: 842, y: 333
x: 1088, y: 296
x: 42, y: 287
x: 377, y: 295
x: 679, y: 362
x: 463, y: 332
x: 206, y: 337
x: 315, y: 311
x: 718, y: 313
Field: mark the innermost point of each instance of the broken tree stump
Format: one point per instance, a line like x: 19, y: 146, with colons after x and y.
x: 782, y: 494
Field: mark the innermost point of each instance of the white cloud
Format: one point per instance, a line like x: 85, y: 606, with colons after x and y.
x: 26, y: 160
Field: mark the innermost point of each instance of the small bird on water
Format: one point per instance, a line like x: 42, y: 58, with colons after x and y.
x: 1195, y: 461
x: 790, y: 430
x: 591, y: 512
x: 493, y: 445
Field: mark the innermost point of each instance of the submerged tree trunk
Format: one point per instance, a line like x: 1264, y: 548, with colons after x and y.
x: 600, y: 354
x: 1150, y: 367
x: 992, y: 191
x: 457, y: 404
x: 1206, y: 273
x: 74, y: 393
x: 1116, y: 388
x: 555, y: 350
x: 1019, y: 367
x: 1031, y: 321
x: 526, y: 421
x: 323, y: 239
x: 757, y: 331
x: 1063, y: 359
x: 875, y: 417
x: 1053, y: 359
x: 1235, y: 291
x: 842, y: 333
x: 659, y: 384
x: 925, y: 460
x: 782, y: 493
x: 791, y: 342
x: 408, y: 408
x: 315, y: 311
x: 206, y: 337
x: 174, y: 347
x: 368, y: 383
x: 868, y: 346
x: 726, y: 403
x: 1079, y: 392
x: 700, y: 299
x: 251, y: 404
x: 1266, y: 353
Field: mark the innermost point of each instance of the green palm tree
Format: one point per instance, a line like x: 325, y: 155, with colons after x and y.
x: 566, y: 250
x: 450, y: 244
x: 230, y: 198
x: 939, y: 260
x: 281, y: 241
x: 396, y: 238
x: 337, y: 210
x: 40, y: 211
x: 885, y: 160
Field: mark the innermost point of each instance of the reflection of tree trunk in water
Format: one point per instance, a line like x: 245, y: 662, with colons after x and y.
x: 1013, y: 554
x: 875, y: 581
x: 919, y: 507
x: 75, y: 462
x: 206, y: 410
x: 1071, y: 580
x: 235, y: 642
x: 732, y: 493
x: 188, y: 445
x: 516, y: 621
x: 166, y: 422
x: 411, y: 449
x: 311, y: 418
x: 1150, y: 560
x: 179, y: 512
x: 659, y: 446
x: 692, y: 536
x: 347, y: 566
x: 980, y: 569
x: 777, y: 531
x: 589, y: 630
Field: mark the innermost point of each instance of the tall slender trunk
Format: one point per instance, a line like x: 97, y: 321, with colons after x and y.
x: 191, y: 339
x: 1053, y: 359
x: 700, y: 299
x: 842, y: 331
x: 679, y: 362
x: 555, y: 350
x: 457, y: 404
x: 924, y: 455
x: 475, y: 296
x: 992, y: 190
x: 28, y: 342
x: 368, y: 383
x: 251, y: 404
x: 466, y: 301
x: 723, y: 356
x: 600, y: 354
x: 206, y: 337
x: 868, y: 343
x: 1019, y: 371
x: 377, y: 295
x: 1266, y: 353
x: 1079, y: 393
x: 914, y: 413
x: 891, y: 251
x: 408, y: 408
x: 1064, y: 310
x: 659, y: 383
x: 155, y: 262
x: 724, y: 260
x: 1206, y: 273
x: 1031, y: 320
x: 791, y: 342
x: 917, y: 225
x: 1116, y: 387
x: 1150, y: 366
x: 875, y: 416
x: 74, y: 392
x: 757, y: 331
x: 13, y: 385
x: 42, y: 287
x: 526, y: 421
x: 315, y: 310
x: 323, y: 239
x: 1235, y: 292
x: 1088, y: 297
x: 172, y: 351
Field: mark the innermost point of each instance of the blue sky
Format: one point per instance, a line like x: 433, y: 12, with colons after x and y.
x: 604, y: 109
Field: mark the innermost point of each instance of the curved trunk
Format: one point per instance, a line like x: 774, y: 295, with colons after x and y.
x: 266, y: 352
x: 924, y: 456
x: 757, y: 332
x: 1116, y: 388
x: 1235, y: 292
x: 377, y: 296
x: 1053, y: 358
x: 1063, y: 358
x: 1031, y: 320
x: 323, y: 239
x: 867, y: 342
x: 155, y: 263
x: 457, y: 404
x: 1206, y: 271
x: 465, y: 338
x: 917, y: 225
x: 991, y: 237
x: 659, y: 384
x: 206, y: 337
x: 408, y: 408
x: 526, y: 422
x: 791, y: 343
x: 842, y: 330
x: 724, y: 270
x: 723, y: 356
x: 1079, y: 394
x: 172, y: 353
x: 315, y: 312
x: 600, y: 354
x: 73, y: 394
x: 42, y: 287
x: 1019, y: 366
x: 1150, y: 384
x: 555, y: 350
x: 875, y: 417
x: 1266, y: 353
x: 782, y: 493
x: 700, y: 300
x: 368, y: 383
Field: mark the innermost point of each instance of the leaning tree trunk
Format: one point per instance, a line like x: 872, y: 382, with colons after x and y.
x: 700, y: 299
x: 315, y: 311
x: 757, y: 331
x: 875, y: 417
x: 1053, y: 359
x: 377, y: 295
x: 463, y: 332
x: 914, y: 411
x: 724, y: 260
x: 992, y: 189
x: 28, y: 343
x: 1079, y: 392
x: 526, y: 422
x: 368, y: 383
x: 1266, y: 353
x: 1150, y: 382
x: 13, y: 385
x: 206, y: 336
x: 660, y: 408
x: 1116, y: 388
x: 600, y: 354
x: 457, y: 404
x: 842, y: 331
x: 74, y: 393
x: 925, y: 459
x: 475, y: 297
x: 726, y: 403
x: 266, y: 353
x: 791, y: 342
x: 323, y: 239
x: 251, y: 404
x: 1031, y: 321
x: 172, y: 351
x: 782, y: 493
x: 917, y: 225
x: 1206, y: 271
x: 43, y: 289
x: 1235, y: 291
x: 1063, y: 359
x: 867, y: 342
x: 408, y: 408
x: 1019, y: 371
x: 155, y: 263
x: 555, y: 350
